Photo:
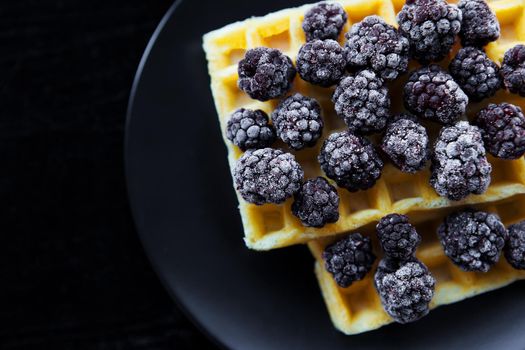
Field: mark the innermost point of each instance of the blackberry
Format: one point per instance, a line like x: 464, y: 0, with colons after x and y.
x: 265, y: 73
x: 250, y: 129
x: 475, y: 73
x: 351, y: 161
x: 459, y: 163
x: 267, y: 175
x: 362, y: 101
x: 324, y: 21
x: 298, y: 121
x: 321, y: 62
x: 349, y: 259
x: 473, y: 240
x: 430, y: 27
x: 405, y: 289
x: 515, y: 248
x: 316, y: 203
x: 431, y: 93
x: 406, y: 143
x: 513, y: 70
x: 503, y: 129
x: 372, y: 43
x: 398, y: 238
x: 480, y: 25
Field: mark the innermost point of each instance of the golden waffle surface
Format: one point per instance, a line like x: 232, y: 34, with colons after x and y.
x: 357, y: 308
x: 271, y: 226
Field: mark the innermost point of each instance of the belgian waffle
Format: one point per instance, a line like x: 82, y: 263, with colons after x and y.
x: 271, y: 226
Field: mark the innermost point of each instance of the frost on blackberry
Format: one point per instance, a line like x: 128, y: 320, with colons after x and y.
x: 431, y: 93
x: 473, y: 240
x: 321, y: 62
x: 430, y: 26
x: 459, y: 163
x: 362, y: 101
x: 475, y: 73
x: 374, y: 44
x: 398, y: 238
x: 267, y: 176
x: 349, y: 259
x: 324, y: 21
x: 513, y: 70
x: 515, y: 246
x: 298, y: 121
x: 316, y: 203
x: 406, y: 144
x: 265, y: 73
x: 503, y: 129
x: 405, y: 289
x: 480, y: 25
x: 250, y: 129
x: 351, y: 161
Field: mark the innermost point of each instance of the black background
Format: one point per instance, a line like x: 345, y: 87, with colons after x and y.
x: 73, y: 274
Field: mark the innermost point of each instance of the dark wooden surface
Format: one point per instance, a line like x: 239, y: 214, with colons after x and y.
x: 73, y: 274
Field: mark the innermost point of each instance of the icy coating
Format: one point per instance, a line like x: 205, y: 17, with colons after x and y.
x: 475, y: 73
x: 265, y: 73
x: 515, y: 247
x: 374, y: 43
x: 431, y: 93
x: 503, y: 129
x: 398, y: 238
x: 405, y: 289
x: 513, y: 70
x: 459, y: 163
x: 406, y: 143
x: 351, y: 161
x: 316, y: 203
x: 473, y: 240
x: 430, y: 26
x: 324, y: 21
x: 267, y: 176
x: 349, y: 259
x: 363, y: 102
x: 321, y: 62
x: 250, y: 129
x: 480, y: 25
x: 298, y: 121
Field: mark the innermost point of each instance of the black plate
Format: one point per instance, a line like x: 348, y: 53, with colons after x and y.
x: 185, y: 210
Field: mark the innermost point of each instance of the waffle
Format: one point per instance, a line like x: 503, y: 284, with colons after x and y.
x: 272, y: 226
x: 358, y: 309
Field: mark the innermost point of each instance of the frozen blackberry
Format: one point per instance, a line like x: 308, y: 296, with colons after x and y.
x: 405, y: 288
x: 430, y: 27
x: 480, y: 25
x: 503, y: 129
x: 250, y: 129
x: 473, y: 240
x: 513, y: 70
x: 316, y: 203
x: 351, y: 161
x: 459, y: 163
x: 475, y: 73
x: 349, y: 259
x: 321, y: 62
x: 324, y: 21
x: 515, y: 247
x: 406, y: 144
x: 372, y: 43
x: 362, y: 101
x: 431, y: 93
x: 265, y: 73
x: 298, y: 121
x: 398, y: 238
x: 267, y: 175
